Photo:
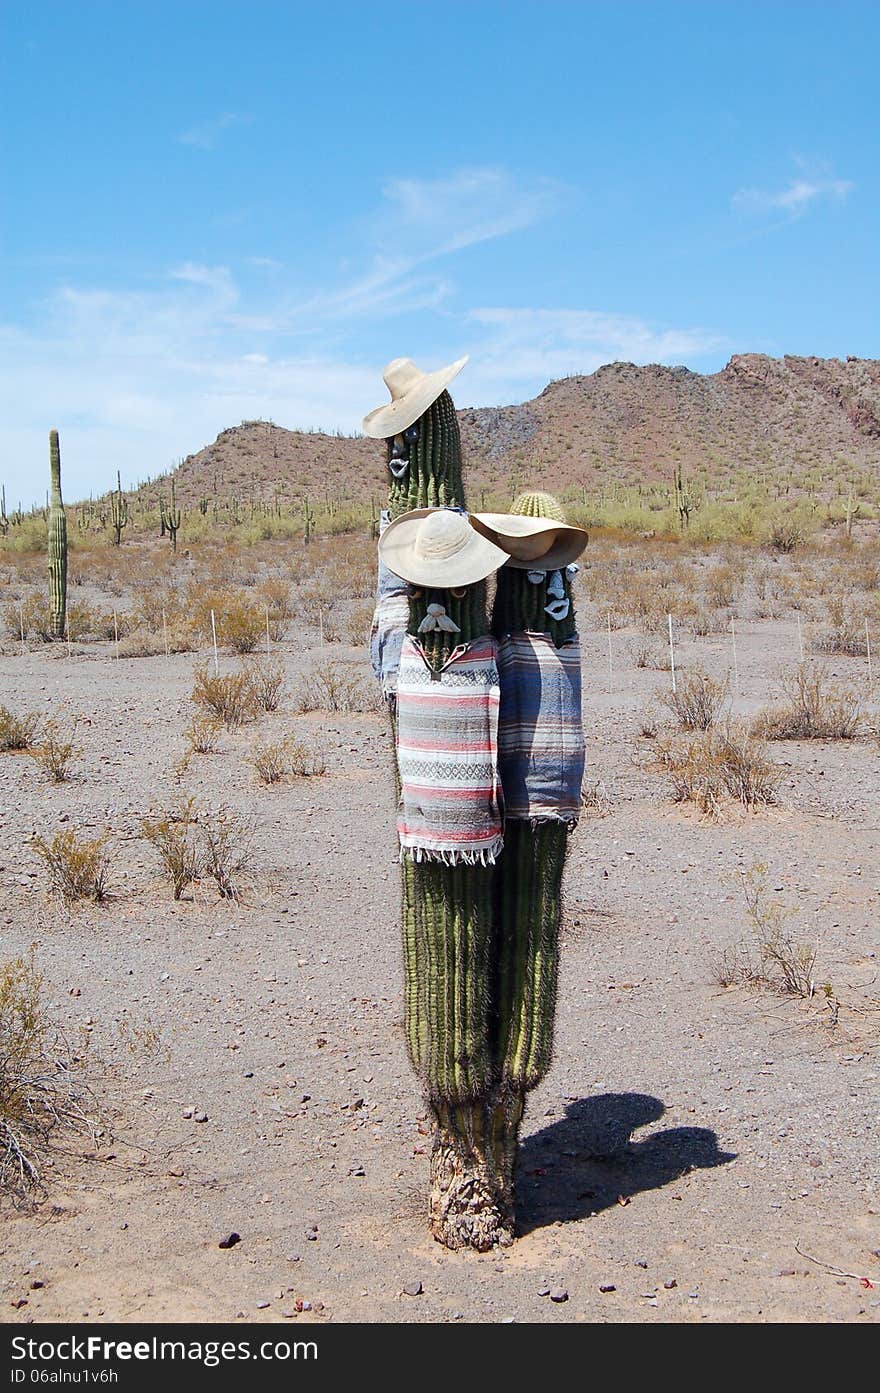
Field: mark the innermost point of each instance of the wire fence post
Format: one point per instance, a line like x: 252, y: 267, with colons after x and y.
x: 671, y: 653
x: 214, y: 637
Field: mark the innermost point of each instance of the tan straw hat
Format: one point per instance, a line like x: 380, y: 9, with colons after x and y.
x: 532, y: 544
x: 412, y: 392
x: 437, y: 547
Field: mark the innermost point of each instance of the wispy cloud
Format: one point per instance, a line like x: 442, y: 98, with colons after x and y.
x: 424, y: 221
x: 435, y: 217
x: 517, y: 351
x: 795, y: 197
x: 205, y: 135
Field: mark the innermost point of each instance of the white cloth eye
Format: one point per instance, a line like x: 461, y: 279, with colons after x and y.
x: 536, y: 577
x: 558, y: 609
x: 556, y: 588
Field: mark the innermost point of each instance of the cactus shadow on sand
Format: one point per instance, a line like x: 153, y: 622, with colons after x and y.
x: 586, y: 1161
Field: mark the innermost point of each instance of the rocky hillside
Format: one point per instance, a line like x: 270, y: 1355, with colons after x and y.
x: 804, y: 419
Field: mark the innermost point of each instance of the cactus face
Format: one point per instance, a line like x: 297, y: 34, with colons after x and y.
x: 425, y: 471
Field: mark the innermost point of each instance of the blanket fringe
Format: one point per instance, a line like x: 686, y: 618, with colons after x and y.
x: 486, y: 856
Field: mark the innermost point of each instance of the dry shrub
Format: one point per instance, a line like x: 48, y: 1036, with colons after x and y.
x: 815, y: 708
x: 697, y: 700
x: 267, y: 679
x: 56, y: 752
x: 273, y: 762
x: 270, y: 762
x: 334, y: 687
x: 228, y: 696
x: 847, y: 636
x: 38, y: 1089
x: 722, y: 585
x: 17, y: 732
x: 227, y: 839
x: 148, y: 643
x: 647, y: 654
x: 193, y: 842
x: 158, y: 605
x: 595, y: 798
x: 240, y: 621
x: 203, y: 735
x: 77, y: 866
x: 30, y: 615
x: 718, y: 764
x: 774, y: 958
x: 174, y: 835
x: 275, y: 594
x: 785, y: 536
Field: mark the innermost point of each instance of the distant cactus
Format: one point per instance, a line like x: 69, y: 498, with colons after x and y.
x: 4, y: 520
x: 118, y: 511
x: 57, y: 543
x: 172, y: 519
x: 686, y: 501
x: 308, y: 517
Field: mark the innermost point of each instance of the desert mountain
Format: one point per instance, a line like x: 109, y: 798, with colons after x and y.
x: 799, y: 418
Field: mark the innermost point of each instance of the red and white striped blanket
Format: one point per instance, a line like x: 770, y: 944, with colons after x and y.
x: 447, y: 755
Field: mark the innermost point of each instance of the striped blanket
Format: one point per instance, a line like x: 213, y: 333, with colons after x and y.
x: 540, y: 732
x: 447, y: 755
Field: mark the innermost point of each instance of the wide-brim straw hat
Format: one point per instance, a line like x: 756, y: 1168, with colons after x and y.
x: 412, y: 392
x: 438, y: 548
x: 532, y: 544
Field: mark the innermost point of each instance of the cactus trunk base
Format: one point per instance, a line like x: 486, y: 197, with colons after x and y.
x: 472, y: 1173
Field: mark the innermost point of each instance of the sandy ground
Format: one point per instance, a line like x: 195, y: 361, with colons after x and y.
x: 686, y: 1140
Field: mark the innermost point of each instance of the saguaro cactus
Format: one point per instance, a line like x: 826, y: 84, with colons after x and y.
x: 172, y: 516
x: 448, y: 920
x: 57, y: 542
x: 529, y: 870
x: 118, y: 511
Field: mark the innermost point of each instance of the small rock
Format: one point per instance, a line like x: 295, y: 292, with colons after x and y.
x: 261, y: 1305
x: 413, y: 1289
x: 607, y: 1286
x: 200, y: 1117
x: 668, y: 1286
x: 307, y: 1305
x: 640, y: 1262
x: 248, y: 1074
x: 294, y: 1257
x: 559, y: 1294
x: 230, y: 1240
x: 36, y: 1284
x: 543, y: 1291
x: 187, y: 1113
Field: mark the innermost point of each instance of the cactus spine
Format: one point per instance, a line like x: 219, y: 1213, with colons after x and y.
x: 57, y: 542
x: 118, y: 511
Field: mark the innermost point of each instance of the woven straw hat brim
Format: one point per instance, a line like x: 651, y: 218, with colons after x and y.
x: 532, y: 544
x: 474, y: 559
x: 395, y: 416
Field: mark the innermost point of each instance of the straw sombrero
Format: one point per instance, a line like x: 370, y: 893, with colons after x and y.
x: 532, y: 544
x: 412, y: 392
x: 437, y: 547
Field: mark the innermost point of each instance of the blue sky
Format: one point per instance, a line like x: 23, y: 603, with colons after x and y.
x: 219, y: 211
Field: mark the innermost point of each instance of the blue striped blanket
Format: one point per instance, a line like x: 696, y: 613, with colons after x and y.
x: 540, y: 729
